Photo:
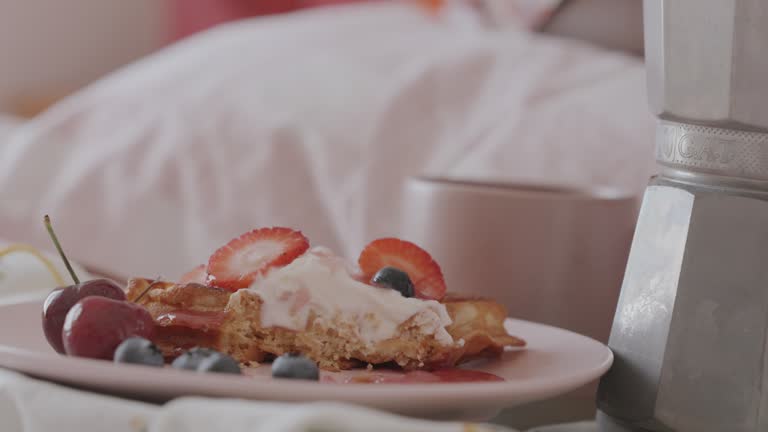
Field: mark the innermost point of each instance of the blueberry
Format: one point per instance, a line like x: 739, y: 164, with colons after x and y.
x: 219, y: 363
x: 138, y: 350
x: 295, y: 366
x: 394, y: 278
x: 191, y: 359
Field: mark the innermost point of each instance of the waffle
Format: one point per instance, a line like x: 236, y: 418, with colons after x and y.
x: 195, y: 315
x: 186, y: 315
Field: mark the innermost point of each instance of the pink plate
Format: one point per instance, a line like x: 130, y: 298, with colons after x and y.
x: 556, y: 361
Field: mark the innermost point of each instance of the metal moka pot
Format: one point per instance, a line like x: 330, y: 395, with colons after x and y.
x: 690, y: 334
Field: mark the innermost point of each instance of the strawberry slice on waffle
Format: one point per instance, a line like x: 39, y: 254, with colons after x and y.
x: 238, y: 263
x: 425, y: 273
x: 198, y: 275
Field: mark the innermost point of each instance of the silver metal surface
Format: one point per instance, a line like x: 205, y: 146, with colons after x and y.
x: 691, y: 324
x: 714, y: 151
x: 607, y: 423
x: 707, y: 61
x: 690, y: 333
x: 644, y: 311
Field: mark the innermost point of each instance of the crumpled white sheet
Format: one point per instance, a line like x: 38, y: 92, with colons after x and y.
x: 314, y: 120
x: 7, y: 125
x: 29, y: 405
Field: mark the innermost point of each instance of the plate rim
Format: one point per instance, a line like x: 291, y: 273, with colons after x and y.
x: 65, y: 369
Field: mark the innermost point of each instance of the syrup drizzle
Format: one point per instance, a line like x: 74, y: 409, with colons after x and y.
x: 453, y: 375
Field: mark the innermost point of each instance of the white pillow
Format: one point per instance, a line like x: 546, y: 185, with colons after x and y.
x: 313, y: 120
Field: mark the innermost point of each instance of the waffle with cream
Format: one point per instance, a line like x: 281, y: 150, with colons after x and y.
x: 317, y: 304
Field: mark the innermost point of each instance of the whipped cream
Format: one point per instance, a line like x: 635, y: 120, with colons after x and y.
x: 321, y: 282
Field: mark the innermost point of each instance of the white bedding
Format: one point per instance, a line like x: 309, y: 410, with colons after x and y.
x: 313, y: 120
x: 7, y: 125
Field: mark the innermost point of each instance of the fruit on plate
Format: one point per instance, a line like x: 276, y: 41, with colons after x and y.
x: 266, y: 296
x: 425, y: 273
x: 95, y: 326
x: 191, y: 359
x: 197, y: 275
x: 295, y: 366
x: 91, y: 319
x: 61, y: 299
x: 395, y: 279
x: 236, y: 264
x: 219, y: 363
x: 206, y: 360
x: 280, y: 296
x: 138, y: 350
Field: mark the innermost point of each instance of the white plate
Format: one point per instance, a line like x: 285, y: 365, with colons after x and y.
x: 556, y: 361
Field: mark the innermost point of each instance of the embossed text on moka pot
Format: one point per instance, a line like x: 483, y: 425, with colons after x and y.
x: 705, y: 149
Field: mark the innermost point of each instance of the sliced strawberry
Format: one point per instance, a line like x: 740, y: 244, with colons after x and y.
x: 424, y: 272
x: 197, y: 275
x: 237, y: 264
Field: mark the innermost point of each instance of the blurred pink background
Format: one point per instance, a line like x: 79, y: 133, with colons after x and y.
x: 49, y: 49
x: 190, y: 16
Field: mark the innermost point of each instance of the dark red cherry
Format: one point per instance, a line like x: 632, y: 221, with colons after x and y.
x: 95, y: 326
x: 61, y: 300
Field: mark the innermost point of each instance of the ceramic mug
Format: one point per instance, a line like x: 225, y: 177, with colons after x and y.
x: 551, y: 254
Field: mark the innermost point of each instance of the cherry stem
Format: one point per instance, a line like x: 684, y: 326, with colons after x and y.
x: 146, y: 290
x: 49, y: 227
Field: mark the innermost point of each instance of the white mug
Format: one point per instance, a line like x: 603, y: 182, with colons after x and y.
x: 553, y: 255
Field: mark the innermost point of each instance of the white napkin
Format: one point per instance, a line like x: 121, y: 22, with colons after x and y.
x: 31, y: 405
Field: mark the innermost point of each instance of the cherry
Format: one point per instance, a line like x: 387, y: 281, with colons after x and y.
x: 95, y: 326
x: 61, y: 299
